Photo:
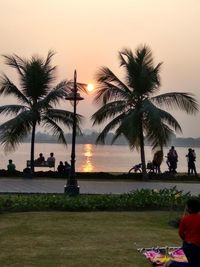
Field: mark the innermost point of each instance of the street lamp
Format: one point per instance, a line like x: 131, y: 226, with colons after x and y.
x: 72, y: 187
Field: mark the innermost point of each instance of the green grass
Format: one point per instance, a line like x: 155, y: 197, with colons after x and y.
x: 82, y: 239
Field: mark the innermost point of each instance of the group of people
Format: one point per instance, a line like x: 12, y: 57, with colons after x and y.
x: 50, y: 159
x: 172, y: 160
x: 63, y: 168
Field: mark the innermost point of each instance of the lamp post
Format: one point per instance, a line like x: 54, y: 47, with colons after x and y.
x: 72, y: 187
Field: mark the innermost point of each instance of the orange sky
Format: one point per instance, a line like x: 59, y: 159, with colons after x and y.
x: 87, y: 34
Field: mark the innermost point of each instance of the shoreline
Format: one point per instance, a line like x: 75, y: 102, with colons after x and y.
x: 105, y: 176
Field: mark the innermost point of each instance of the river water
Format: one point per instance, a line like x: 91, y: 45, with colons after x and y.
x: 92, y: 158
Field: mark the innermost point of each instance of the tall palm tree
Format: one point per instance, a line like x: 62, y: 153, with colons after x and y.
x: 37, y: 98
x: 132, y: 108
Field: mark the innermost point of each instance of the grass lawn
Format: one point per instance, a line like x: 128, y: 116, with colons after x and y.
x: 81, y: 238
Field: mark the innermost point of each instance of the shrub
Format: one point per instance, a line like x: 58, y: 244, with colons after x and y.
x: 143, y: 199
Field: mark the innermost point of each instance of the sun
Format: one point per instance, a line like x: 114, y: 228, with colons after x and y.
x: 90, y: 87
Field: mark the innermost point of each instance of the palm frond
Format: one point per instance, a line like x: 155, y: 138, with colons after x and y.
x: 48, y: 69
x: 108, y: 92
x: 13, y: 131
x: 16, y: 62
x: 109, y: 111
x: 124, y: 56
x: 64, y: 117
x: 50, y: 54
x: 38, y: 77
x: 109, y: 86
x: 7, y: 88
x: 130, y: 128
x: 141, y: 76
x: 154, y: 116
x: 110, y: 126
x: 176, y: 100
x: 82, y: 87
x: 54, y: 96
x: 154, y: 119
x: 106, y: 75
x: 12, y: 109
x: 159, y: 138
x: 55, y: 129
x: 144, y: 56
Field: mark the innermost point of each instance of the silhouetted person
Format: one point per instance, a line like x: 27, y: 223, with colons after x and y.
x: 61, y: 168
x: 157, y: 160
x: 136, y: 168
x: 191, y: 162
x: 11, y: 166
x: 51, y: 158
x: 41, y: 158
x: 172, y: 159
x: 67, y: 167
x: 189, y: 232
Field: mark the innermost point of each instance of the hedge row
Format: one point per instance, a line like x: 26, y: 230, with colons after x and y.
x: 144, y: 199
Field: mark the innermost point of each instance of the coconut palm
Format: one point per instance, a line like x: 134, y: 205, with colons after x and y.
x: 133, y: 107
x: 37, y: 99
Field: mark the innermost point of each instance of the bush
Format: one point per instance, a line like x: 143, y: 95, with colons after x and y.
x: 144, y: 199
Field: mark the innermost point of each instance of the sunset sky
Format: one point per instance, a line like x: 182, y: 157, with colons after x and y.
x: 87, y: 34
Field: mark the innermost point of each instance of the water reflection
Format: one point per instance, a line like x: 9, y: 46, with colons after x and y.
x: 88, y: 153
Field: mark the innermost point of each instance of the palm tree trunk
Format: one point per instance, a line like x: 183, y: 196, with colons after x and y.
x: 142, y: 153
x: 33, y: 148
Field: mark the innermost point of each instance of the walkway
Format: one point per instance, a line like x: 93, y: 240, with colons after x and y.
x: 93, y: 187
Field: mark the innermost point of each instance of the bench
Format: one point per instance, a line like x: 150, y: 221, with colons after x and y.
x: 43, y: 164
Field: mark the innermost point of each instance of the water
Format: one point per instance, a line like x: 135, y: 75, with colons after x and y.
x: 92, y: 158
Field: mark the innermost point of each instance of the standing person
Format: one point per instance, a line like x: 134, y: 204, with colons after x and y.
x: 172, y: 159
x: 194, y: 155
x: 189, y: 232
x: 11, y: 166
x: 157, y: 161
x: 191, y: 161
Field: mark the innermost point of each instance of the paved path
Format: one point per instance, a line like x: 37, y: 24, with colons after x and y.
x: 95, y: 187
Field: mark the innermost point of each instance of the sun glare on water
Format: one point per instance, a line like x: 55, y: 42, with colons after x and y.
x: 90, y: 87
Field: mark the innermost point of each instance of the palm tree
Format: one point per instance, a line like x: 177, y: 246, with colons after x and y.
x: 132, y: 108
x: 37, y: 99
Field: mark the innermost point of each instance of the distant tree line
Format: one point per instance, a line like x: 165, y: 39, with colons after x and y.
x: 90, y: 138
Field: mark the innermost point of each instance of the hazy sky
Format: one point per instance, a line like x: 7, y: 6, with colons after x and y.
x: 87, y: 34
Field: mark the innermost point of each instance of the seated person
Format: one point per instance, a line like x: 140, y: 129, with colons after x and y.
x: 67, y: 167
x: 189, y: 229
x: 11, y: 166
x: 40, y: 159
x: 61, y: 168
x: 51, y: 159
